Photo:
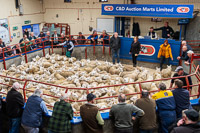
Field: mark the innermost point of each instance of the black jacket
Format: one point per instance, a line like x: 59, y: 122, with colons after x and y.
x: 2, y: 45
x: 182, y: 99
x: 136, y: 29
x: 58, y: 36
x: 184, y: 56
x: 165, y: 31
x: 135, y: 47
x: 15, y: 103
x: 189, y: 128
x: 115, y: 43
x: 182, y: 79
x: 0, y: 103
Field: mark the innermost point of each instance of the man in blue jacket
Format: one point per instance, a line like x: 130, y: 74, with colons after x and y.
x: 93, y: 38
x: 166, y: 108
x: 182, y: 98
x: 32, y: 115
x: 104, y: 37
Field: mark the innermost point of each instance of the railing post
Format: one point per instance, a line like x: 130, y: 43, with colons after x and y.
x: 62, y: 50
x: 94, y: 47
x: 103, y: 46
x: 191, y: 63
x: 66, y: 90
x: 188, y: 85
x: 43, y: 49
x: 85, y: 53
x: 140, y: 89
x: 4, y: 61
x: 25, y: 53
x: 24, y: 91
x: 52, y: 46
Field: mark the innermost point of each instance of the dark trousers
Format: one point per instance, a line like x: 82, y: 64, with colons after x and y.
x: 124, y: 130
x: 162, y: 60
x: 115, y: 54
x: 15, y: 125
x: 146, y: 131
x: 0, y: 122
x: 134, y: 58
x: 167, y: 118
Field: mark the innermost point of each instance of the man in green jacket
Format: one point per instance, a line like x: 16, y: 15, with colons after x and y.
x: 122, y: 115
x: 62, y: 114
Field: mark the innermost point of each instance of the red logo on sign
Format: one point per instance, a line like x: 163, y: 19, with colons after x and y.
x: 108, y: 8
x: 147, y: 50
x: 183, y: 9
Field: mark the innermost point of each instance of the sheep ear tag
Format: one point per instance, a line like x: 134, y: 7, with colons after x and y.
x: 147, y: 50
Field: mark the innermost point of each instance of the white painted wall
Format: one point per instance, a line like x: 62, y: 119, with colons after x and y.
x: 79, y: 14
x: 32, y: 11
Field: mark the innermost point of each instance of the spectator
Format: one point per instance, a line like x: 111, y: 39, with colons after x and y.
x: 71, y: 38
x: 135, y: 50
x: 184, y: 43
x: 0, y: 113
x: 147, y: 123
x: 122, y: 115
x: 26, y: 32
x: 189, y: 54
x: 184, y: 54
x: 62, y: 37
x: 32, y: 115
x: 62, y: 114
x: 91, y: 116
x: 69, y: 45
x: 94, y: 37
x: 17, y: 49
x: 179, y: 72
x: 32, y: 38
x: 2, y: 44
x: 42, y: 36
x: 167, y: 31
x: 189, y: 123
x: 115, y: 45
x: 104, y: 37
x: 14, y: 107
x: 9, y: 52
x: 55, y: 38
x: 152, y: 34
x: 166, y: 108
x: 80, y: 38
x: 47, y: 39
x: 24, y: 41
x: 1, y: 53
x: 182, y: 98
x: 164, y: 53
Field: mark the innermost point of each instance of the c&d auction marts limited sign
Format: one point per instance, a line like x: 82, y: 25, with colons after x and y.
x: 178, y: 11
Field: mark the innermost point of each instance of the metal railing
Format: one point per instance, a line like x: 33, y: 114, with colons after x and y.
x: 25, y: 90
x: 47, y: 42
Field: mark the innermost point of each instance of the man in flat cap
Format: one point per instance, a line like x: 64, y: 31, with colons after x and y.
x: 189, y: 123
x: 92, y: 120
x: 180, y: 72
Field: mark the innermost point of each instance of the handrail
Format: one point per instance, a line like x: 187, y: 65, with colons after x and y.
x: 87, y: 89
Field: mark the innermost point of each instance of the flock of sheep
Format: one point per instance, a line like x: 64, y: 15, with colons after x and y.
x: 72, y: 73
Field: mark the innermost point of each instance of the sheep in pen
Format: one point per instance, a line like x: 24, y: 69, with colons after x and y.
x: 72, y: 73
